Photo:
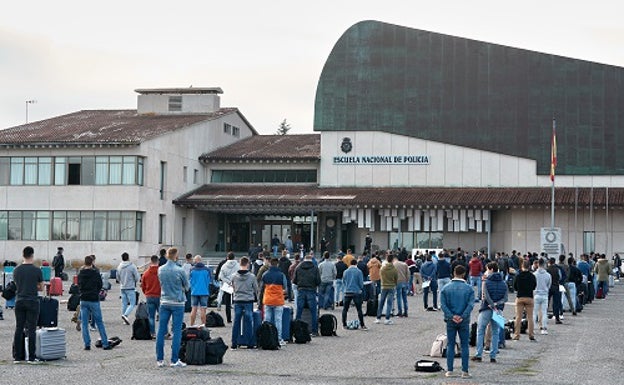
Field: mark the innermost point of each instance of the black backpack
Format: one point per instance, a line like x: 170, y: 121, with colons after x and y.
x: 329, y: 325
x: 141, y: 311
x: 195, y: 352
x: 73, y: 302
x: 141, y: 329
x: 267, y: 336
x: 10, y: 290
x: 214, y: 320
x: 74, y: 289
x: 215, y: 349
x: 195, y: 333
x: 300, y: 332
x: 428, y: 366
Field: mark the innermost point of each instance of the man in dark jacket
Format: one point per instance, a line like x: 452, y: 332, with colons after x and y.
x: 284, y: 265
x: 495, y: 293
x: 341, y: 267
x: 524, y: 285
x: 90, y: 284
x: 307, y: 278
x: 554, y: 292
x: 58, y: 262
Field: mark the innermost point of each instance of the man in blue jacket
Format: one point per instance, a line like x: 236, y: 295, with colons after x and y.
x: 429, y: 273
x: 200, y: 289
x: 495, y: 293
x: 457, y: 300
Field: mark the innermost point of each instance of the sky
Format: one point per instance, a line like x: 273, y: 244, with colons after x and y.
x: 267, y: 56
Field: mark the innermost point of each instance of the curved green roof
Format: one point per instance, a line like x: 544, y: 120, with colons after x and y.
x: 384, y: 77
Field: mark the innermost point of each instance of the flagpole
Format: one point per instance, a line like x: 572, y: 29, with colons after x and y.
x: 553, y: 163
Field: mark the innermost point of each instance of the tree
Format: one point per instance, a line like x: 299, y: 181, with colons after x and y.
x: 283, y: 128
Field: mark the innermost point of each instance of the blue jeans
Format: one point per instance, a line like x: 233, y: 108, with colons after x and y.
x: 308, y: 296
x: 402, y: 290
x: 540, y: 308
x: 325, y: 300
x: 433, y: 288
x: 443, y: 282
x: 92, y: 308
x: 452, y: 329
x: 128, y: 301
x: 410, y: 285
x: 273, y: 314
x: 386, y: 295
x: 485, y: 317
x: 338, y: 290
x: 555, y: 294
x: 153, y: 304
x: 176, y: 314
x: 476, y: 281
x: 243, y: 312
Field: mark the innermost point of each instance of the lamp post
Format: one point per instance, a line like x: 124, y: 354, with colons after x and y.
x: 27, y: 103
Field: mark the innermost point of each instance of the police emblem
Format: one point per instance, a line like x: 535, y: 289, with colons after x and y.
x: 346, y: 145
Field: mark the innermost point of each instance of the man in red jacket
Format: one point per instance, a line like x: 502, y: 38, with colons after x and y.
x: 151, y: 289
x: 476, y: 270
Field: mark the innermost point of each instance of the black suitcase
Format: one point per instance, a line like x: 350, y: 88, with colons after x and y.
x: 48, y: 312
x: 195, y: 353
x: 371, y: 307
x: 215, y: 349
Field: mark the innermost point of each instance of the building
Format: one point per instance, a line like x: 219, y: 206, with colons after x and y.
x: 103, y: 181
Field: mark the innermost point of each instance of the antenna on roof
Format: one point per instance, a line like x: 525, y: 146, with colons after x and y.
x: 32, y: 101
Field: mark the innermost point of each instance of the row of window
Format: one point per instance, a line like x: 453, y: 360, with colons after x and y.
x: 72, y: 170
x: 230, y: 129
x: 416, y: 240
x: 71, y: 225
x: 263, y: 176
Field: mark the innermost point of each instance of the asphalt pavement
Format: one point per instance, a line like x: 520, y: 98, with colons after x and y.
x: 586, y: 349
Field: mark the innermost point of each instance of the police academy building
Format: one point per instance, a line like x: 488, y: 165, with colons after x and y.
x: 421, y: 139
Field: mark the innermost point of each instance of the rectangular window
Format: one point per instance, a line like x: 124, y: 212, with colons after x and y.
x: 128, y: 222
x: 60, y: 166
x: 73, y: 225
x: 235, y: 131
x: 15, y: 225
x: 195, y: 176
x: 140, y: 171
x: 163, y: 175
x: 73, y: 171
x: 4, y: 225
x: 161, y: 228
x: 88, y: 171
x: 184, y: 172
x: 101, y: 170
x: 589, y: 238
x: 175, y: 103
x: 17, y: 171
x: 45, y: 171
x: 28, y: 225
x: 139, y: 226
x: 99, y: 226
x: 115, y: 170
x: 129, y: 170
x: 227, y: 129
x: 42, y: 227
x: 113, y: 228
x: 5, y: 171
x: 86, y: 226
x: 30, y: 171
x: 59, y: 225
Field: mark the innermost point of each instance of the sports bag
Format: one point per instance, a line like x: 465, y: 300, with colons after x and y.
x: 300, y: 331
x: 329, y: 325
x: 214, y: 320
x: 141, y: 329
x: 195, y: 353
x: 141, y: 311
x: 439, y: 346
x: 428, y: 366
x: 267, y: 336
x: 215, y: 349
x: 195, y: 333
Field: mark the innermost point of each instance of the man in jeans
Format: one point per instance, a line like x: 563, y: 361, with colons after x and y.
x: 128, y: 277
x: 245, y: 287
x: 151, y: 289
x: 274, y: 288
x: 307, y: 278
x: 29, y: 281
x: 354, y: 284
x: 429, y: 273
x: 402, y: 285
x: 338, y: 288
x: 90, y: 284
x: 327, y: 269
x: 457, y: 301
x: 389, y: 277
x: 524, y: 284
x: 173, y: 285
x: 475, y: 267
x: 554, y: 292
x: 543, y: 281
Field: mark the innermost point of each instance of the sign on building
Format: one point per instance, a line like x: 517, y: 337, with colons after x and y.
x: 550, y: 239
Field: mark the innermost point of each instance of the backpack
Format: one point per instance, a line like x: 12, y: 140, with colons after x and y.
x: 74, y: 289
x: 141, y: 329
x: 329, y: 325
x: 267, y: 336
x: 195, y: 333
x: 195, y: 352
x: 300, y: 331
x: 428, y: 366
x: 10, y: 290
x: 73, y: 302
x: 439, y: 346
x: 354, y: 324
x: 214, y: 320
x: 141, y: 311
x: 215, y: 349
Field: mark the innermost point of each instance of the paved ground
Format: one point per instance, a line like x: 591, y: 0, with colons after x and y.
x: 585, y: 350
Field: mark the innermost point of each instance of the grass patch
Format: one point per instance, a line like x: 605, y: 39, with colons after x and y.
x: 524, y: 369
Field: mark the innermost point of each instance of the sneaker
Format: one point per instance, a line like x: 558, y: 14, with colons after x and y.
x: 476, y: 358
x: 377, y: 321
x: 314, y: 334
x: 178, y: 364
x: 282, y: 343
x: 87, y: 347
x: 430, y: 309
x: 364, y: 328
x: 233, y: 347
x: 388, y: 322
x: 516, y: 338
x: 160, y: 364
x: 561, y: 317
x: 18, y: 361
x: 125, y: 319
x: 493, y: 360
x: 108, y: 347
x: 36, y: 361
x: 466, y: 375
x: 544, y: 332
x: 93, y: 329
x: 532, y: 339
x: 558, y: 322
x: 450, y: 374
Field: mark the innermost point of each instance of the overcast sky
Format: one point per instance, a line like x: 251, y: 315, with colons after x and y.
x: 266, y: 55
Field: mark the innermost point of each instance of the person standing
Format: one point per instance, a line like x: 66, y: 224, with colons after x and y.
x: 524, y: 285
x: 245, y: 287
x: 90, y: 284
x: 327, y: 269
x: 284, y: 266
x: 402, y: 285
x: 188, y: 265
x: 353, y: 284
x: 128, y: 276
x: 28, y: 281
x: 307, y: 278
x: 554, y: 292
x: 274, y: 287
x: 200, y: 289
x: 275, y: 244
x: 475, y: 267
x: 389, y: 277
x: 58, y: 262
x: 151, y: 289
x: 542, y: 288
x: 173, y: 286
x: 602, y: 270
x: 229, y: 268
x: 341, y: 267
x: 429, y: 273
x: 457, y: 301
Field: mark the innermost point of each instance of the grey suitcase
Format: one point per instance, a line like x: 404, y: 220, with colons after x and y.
x: 51, y: 344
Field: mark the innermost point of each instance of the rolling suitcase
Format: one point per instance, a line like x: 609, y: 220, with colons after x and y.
x: 287, y: 317
x: 48, y: 312
x: 255, y: 324
x: 306, y: 316
x: 51, y: 344
x: 56, y: 286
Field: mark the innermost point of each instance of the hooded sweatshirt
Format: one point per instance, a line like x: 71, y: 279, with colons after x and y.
x: 200, y: 279
x: 602, y: 269
x: 543, y: 282
x: 307, y: 276
x: 228, y: 270
x: 245, y: 287
x: 128, y: 275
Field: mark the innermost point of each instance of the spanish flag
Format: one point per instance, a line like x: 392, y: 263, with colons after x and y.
x: 553, y: 152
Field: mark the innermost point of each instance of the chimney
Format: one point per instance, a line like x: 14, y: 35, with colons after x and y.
x: 172, y: 101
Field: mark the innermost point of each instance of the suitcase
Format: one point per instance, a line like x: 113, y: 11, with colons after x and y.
x: 215, y: 349
x: 10, y: 303
x: 611, y: 281
x: 195, y: 352
x: 287, y: 317
x: 306, y: 316
x: 46, y: 271
x: 255, y: 324
x: 56, y: 286
x: 371, y: 307
x: 51, y: 344
x: 112, y: 274
x: 48, y: 312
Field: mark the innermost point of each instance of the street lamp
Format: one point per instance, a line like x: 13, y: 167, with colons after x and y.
x: 27, y: 103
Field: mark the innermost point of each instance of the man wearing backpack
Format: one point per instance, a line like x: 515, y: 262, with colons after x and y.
x: 457, y: 301
x: 274, y: 287
x: 353, y: 280
x: 563, y: 280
